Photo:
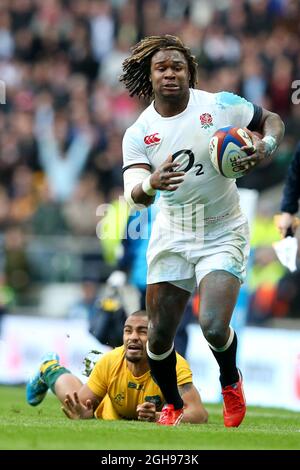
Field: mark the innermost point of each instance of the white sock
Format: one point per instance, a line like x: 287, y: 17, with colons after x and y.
x: 158, y: 357
x: 227, y: 344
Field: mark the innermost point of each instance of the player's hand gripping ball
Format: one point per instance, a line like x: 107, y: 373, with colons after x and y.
x: 225, y: 151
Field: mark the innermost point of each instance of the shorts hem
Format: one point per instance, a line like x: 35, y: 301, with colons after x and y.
x: 177, y: 283
x: 205, y: 273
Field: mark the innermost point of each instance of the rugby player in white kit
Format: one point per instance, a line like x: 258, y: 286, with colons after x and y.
x: 200, y: 236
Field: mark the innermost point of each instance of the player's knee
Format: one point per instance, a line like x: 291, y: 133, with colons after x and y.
x: 159, y: 341
x: 161, y: 334
x: 215, y: 334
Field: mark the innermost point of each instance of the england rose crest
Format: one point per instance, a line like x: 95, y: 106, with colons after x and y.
x: 206, y: 120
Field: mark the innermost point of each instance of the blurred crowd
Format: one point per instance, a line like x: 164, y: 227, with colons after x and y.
x: 65, y: 112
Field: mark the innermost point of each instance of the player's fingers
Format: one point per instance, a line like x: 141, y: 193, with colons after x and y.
x: 76, y: 398
x: 148, y: 413
x: 170, y: 166
x: 247, y: 165
x: 167, y: 176
x: 249, y: 149
x: 140, y: 408
x: 244, y: 166
x: 169, y: 158
x: 148, y: 405
x: 146, y: 408
x: 252, y: 158
x: 66, y: 412
x: 69, y: 399
x: 175, y: 174
x: 172, y: 180
x: 68, y: 405
x: 145, y: 418
x: 142, y: 416
x: 248, y: 132
x: 249, y: 155
x: 88, y: 404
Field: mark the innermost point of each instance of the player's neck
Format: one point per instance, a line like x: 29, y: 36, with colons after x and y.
x: 138, y: 368
x: 168, y: 107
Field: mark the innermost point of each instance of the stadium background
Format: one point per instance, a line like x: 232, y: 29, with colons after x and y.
x: 60, y: 61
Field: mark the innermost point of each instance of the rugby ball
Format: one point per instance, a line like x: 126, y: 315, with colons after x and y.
x: 225, y: 151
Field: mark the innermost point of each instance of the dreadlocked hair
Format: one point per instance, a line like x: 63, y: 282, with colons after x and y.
x: 136, y: 68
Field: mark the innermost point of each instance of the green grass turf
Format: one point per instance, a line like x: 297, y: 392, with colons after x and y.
x: 45, y: 427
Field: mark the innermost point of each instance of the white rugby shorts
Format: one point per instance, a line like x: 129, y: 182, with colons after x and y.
x: 183, y: 259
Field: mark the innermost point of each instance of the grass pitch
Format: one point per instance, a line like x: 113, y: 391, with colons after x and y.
x: 45, y: 427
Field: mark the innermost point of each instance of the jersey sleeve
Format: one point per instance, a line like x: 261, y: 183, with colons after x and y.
x: 234, y: 110
x: 134, y: 148
x: 183, y: 371
x: 98, y: 380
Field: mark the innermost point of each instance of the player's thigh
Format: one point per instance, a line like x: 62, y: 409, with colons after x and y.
x: 218, y: 295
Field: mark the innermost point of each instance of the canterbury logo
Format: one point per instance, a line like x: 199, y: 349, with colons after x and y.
x: 152, y: 139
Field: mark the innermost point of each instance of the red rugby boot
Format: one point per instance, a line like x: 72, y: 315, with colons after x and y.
x: 169, y: 416
x: 234, y: 403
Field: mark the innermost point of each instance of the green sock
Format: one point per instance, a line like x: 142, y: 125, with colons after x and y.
x: 51, y: 370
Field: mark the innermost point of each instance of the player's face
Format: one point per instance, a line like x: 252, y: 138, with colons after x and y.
x: 135, y: 338
x: 169, y: 74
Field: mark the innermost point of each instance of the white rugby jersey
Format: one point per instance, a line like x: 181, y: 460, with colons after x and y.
x: 152, y: 138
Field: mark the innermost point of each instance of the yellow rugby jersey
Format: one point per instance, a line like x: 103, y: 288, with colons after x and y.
x: 122, y: 392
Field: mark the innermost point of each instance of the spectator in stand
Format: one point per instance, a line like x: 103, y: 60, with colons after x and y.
x: 63, y: 166
x: 291, y: 195
x: 52, y: 63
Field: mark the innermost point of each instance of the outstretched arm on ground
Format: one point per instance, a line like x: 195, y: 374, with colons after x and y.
x: 78, y: 401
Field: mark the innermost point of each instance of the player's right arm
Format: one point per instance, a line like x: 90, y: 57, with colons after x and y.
x: 140, y: 185
x: 81, y: 405
x: 164, y: 178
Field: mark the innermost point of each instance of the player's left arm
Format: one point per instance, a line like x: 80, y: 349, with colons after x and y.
x: 194, y: 411
x: 271, y: 127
